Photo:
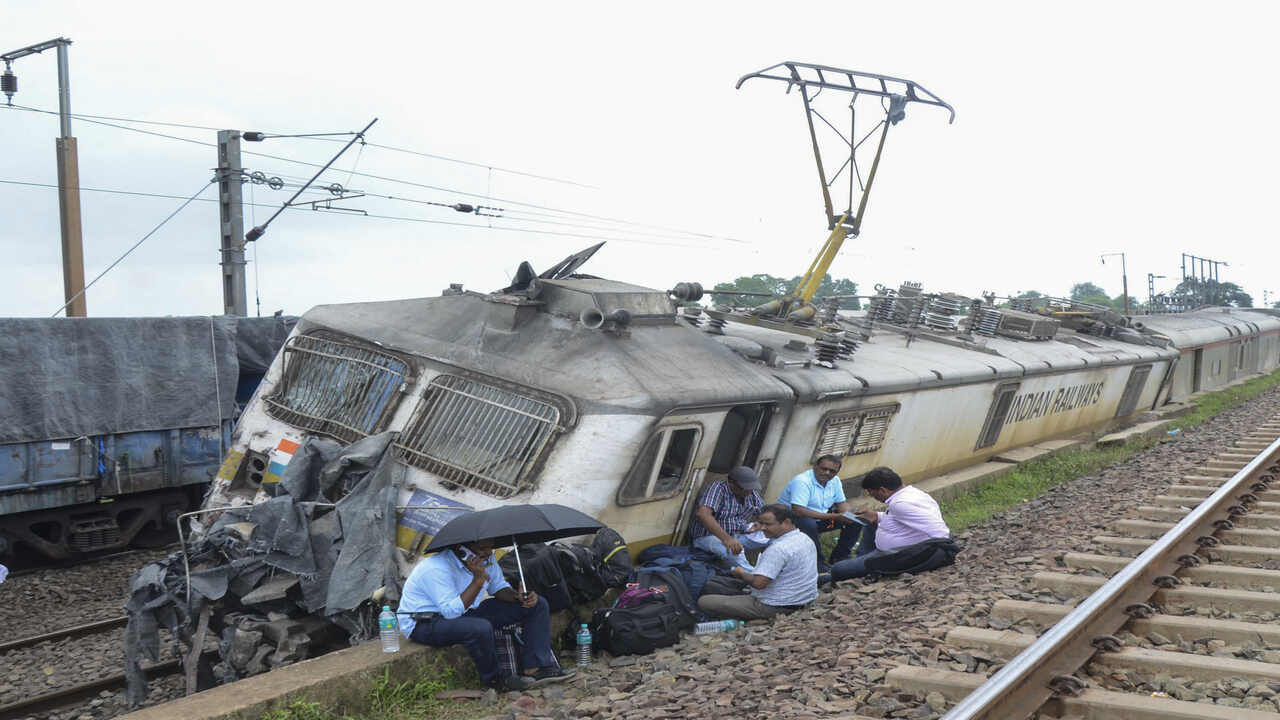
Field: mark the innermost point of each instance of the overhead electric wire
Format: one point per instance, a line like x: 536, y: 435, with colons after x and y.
x: 429, y: 221
x: 504, y: 201
x: 132, y: 248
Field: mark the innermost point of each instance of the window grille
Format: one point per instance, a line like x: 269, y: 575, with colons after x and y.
x: 336, y: 388
x: 855, y: 432
x: 476, y: 435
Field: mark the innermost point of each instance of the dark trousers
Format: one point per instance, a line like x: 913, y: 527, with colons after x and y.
x: 844, y: 545
x: 857, y: 567
x: 474, y: 629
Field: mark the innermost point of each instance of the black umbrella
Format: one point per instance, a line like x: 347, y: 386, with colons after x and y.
x: 515, y: 523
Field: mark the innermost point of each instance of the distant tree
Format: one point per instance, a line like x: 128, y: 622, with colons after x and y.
x: 1087, y: 292
x: 1276, y: 304
x: 1195, y: 291
x: 778, y: 287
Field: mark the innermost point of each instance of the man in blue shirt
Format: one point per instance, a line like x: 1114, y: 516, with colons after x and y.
x: 817, y: 497
x: 451, y: 587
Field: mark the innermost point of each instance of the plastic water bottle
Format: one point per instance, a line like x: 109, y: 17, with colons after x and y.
x: 716, y: 626
x: 584, y: 646
x: 388, y: 630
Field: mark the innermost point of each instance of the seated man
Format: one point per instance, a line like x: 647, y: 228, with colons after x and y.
x: 785, y: 577
x: 911, y: 517
x: 725, y: 514
x: 452, y: 585
x: 817, y: 496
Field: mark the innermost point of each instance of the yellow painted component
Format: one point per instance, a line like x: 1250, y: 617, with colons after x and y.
x: 808, y: 286
x: 230, y: 465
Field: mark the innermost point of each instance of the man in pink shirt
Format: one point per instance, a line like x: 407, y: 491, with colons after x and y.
x: 910, y: 519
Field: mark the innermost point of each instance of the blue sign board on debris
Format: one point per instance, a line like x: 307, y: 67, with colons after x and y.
x: 430, y: 521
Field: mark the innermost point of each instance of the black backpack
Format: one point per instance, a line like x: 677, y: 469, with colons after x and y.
x: 677, y: 592
x: 542, y: 574
x: 613, y: 559
x: 578, y: 566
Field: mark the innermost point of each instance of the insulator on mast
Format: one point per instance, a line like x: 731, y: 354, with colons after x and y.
x: 8, y: 82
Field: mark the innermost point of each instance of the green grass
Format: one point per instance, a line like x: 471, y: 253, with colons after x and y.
x: 1031, y: 479
x: 389, y: 700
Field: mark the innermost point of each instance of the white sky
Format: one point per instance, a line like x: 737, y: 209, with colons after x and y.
x: 1081, y: 128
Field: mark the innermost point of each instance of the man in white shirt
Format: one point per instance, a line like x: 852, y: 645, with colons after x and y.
x: 911, y: 517
x: 449, y: 589
x: 785, y: 577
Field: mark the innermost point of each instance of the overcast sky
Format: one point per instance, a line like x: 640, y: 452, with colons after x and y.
x: 1082, y: 128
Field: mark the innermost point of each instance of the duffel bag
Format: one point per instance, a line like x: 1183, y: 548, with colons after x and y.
x: 637, y: 630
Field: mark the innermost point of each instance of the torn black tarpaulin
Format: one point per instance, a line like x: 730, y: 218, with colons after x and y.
x: 339, y: 556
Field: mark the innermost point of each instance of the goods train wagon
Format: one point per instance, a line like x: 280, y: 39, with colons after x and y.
x: 112, y: 427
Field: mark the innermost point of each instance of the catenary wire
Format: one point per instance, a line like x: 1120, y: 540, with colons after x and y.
x: 135, y: 246
x: 380, y: 146
x: 438, y: 188
x: 505, y: 228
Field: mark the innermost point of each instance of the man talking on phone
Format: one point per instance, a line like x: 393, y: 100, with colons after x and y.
x: 448, y: 592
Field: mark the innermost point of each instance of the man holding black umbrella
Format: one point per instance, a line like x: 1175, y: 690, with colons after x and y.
x: 447, y: 592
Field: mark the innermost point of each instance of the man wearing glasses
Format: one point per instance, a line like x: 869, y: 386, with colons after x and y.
x: 817, y: 498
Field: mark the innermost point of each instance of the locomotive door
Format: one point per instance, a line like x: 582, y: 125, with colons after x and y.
x: 744, y: 438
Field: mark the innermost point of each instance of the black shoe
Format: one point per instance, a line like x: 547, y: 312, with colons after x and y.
x: 508, y: 683
x: 824, y: 579
x: 548, y: 675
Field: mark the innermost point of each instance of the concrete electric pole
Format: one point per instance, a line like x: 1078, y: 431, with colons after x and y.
x: 68, y: 175
x: 231, y: 211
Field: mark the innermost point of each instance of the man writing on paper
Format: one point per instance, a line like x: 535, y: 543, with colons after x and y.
x: 726, y: 513
x: 450, y: 586
x: 910, y: 526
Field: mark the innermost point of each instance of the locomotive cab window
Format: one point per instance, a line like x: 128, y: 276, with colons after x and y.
x: 663, y: 466
x: 477, y: 435
x: 337, y: 388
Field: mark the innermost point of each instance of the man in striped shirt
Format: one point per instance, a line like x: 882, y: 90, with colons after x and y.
x: 725, y: 515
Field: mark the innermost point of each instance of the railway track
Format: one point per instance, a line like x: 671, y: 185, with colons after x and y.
x: 1149, y: 640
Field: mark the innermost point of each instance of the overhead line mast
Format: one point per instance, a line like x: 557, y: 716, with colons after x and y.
x: 68, y: 173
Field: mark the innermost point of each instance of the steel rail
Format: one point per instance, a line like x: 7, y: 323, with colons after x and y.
x: 77, y: 631
x: 1022, y: 686
x: 76, y: 693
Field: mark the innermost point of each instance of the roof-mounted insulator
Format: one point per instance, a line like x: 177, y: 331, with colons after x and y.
x: 8, y: 82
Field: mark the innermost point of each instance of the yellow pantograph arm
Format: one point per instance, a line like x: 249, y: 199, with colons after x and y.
x: 812, y: 280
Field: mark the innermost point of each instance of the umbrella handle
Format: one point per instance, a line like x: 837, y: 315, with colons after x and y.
x: 519, y: 567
